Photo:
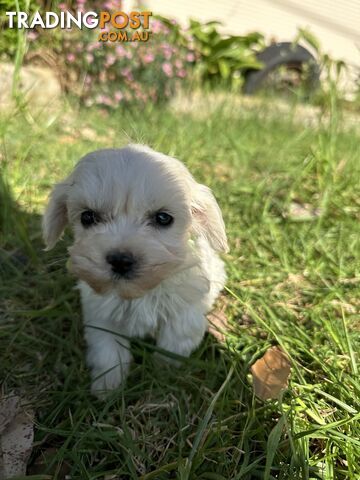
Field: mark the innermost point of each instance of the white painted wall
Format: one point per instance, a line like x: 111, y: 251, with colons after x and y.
x: 336, y: 23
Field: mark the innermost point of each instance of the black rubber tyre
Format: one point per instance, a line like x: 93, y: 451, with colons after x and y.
x: 285, y: 54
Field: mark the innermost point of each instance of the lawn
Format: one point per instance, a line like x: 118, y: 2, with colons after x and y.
x: 290, y: 199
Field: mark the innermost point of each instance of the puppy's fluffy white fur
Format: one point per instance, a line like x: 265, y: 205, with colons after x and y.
x: 178, y: 272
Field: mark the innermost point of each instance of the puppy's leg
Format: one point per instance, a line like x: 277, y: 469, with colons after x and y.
x: 109, y: 358
x: 108, y: 354
x: 182, y: 333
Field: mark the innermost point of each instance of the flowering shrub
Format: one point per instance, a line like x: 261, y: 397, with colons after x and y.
x: 122, y: 72
x: 133, y: 72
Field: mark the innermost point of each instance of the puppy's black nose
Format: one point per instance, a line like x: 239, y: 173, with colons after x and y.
x: 122, y: 263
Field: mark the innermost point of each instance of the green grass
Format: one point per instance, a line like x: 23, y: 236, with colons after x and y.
x: 291, y: 282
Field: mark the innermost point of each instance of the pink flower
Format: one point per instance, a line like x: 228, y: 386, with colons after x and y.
x: 109, y: 5
x: 110, y: 60
x: 167, y: 69
x: 118, y: 96
x: 190, y: 57
x: 167, y: 50
x: 32, y: 36
x: 103, y: 100
x: 181, y: 73
x: 148, y: 57
x: 156, y: 26
x: 70, y: 57
x: 92, y: 46
x: 62, y: 6
x: 178, y: 64
x: 120, y: 51
x: 126, y: 72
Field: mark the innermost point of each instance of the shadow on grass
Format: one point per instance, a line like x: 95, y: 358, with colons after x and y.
x: 42, y: 358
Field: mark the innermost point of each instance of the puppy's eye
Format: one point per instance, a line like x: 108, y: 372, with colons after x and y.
x: 89, y: 217
x: 163, y: 219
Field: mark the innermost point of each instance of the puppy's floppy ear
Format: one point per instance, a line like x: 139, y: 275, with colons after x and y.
x: 55, y: 216
x: 207, y: 218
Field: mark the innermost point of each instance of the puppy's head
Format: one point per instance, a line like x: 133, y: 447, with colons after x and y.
x: 133, y: 212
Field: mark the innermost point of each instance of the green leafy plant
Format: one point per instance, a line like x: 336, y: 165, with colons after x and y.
x: 9, y: 37
x: 332, y: 70
x: 222, y: 58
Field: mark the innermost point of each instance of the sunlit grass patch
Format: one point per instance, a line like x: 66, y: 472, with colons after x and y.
x: 293, y: 282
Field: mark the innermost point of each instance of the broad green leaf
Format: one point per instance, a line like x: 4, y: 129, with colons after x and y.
x: 310, y: 38
x: 272, y: 445
x: 224, y: 69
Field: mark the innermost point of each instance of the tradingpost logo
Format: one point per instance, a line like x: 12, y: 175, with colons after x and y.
x: 114, y: 26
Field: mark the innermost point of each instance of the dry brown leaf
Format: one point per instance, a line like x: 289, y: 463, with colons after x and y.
x: 218, y: 321
x: 218, y: 324
x: 67, y: 139
x: 16, y: 437
x: 8, y: 409
x: 271, y: 373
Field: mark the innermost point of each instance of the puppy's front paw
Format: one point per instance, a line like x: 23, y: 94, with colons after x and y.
x: 109, y: 361
x: 104, y: 382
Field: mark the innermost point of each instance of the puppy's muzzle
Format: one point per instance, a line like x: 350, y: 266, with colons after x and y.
x: 122, y: 263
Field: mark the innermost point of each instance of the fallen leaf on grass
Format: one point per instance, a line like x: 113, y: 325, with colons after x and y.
x: 218, y: 320
x: 218, y: 324
x: 17, y: 434
x: 8, y: 408
x: 302, y: 212
x: 67, y: 139
x: 271, y: 373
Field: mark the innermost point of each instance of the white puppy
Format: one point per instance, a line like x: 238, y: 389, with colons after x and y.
x: 146, y: 236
